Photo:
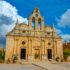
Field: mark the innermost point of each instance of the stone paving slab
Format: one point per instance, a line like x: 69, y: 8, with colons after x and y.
x: 52, y: 66
x: 65, y: 64
x: 19, y: 67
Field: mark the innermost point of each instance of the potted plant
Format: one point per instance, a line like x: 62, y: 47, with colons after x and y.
x: 57, y: 58
x: 15, y: 58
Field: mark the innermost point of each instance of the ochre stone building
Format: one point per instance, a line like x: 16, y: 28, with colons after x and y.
x: 33, y: 41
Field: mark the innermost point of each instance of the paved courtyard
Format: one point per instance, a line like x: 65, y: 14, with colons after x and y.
x: 54, y: 65
x: 19, y: 67
x: 65, y: 64
x: 36, y: 66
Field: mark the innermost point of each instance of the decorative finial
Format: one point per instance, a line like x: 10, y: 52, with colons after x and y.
x: 36, y: 10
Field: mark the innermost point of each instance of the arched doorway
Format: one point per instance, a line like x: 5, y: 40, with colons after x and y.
x: 23, y: 54
x: 49, y: 53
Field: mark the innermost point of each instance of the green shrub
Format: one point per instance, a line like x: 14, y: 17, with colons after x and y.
x: 15, y: 58
x: 2, y: 55
x: 66, y: 52
x: 57, y: 58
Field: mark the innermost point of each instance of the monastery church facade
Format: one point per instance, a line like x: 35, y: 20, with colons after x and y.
x: 33, y: 41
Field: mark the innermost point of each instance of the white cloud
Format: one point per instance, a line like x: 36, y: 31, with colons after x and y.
x: 21, y: 19
x: 10, y: 11
x: 5, y: 28
x: 64, y: 19
x: 66, y: 37
x: 58, y: 31
x: 8, y: 16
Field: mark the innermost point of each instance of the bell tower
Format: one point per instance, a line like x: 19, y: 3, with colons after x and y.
x: 36, y: 21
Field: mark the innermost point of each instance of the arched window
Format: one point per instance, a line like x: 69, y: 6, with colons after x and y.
x: 33, y: 22
x: 39, y: 23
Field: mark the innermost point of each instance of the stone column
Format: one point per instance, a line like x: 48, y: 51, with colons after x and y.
x: 42, y: 24
x: 36, y: 24
x: 55, y: 49
x: 36, y: 27
x: 30, y: 23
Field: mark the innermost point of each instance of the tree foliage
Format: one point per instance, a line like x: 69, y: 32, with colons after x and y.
x: 66, y: 52
x: 2, y: 55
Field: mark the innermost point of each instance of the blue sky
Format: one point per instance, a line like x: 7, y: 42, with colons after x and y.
x: 54, y: 11
x: 50, y: 9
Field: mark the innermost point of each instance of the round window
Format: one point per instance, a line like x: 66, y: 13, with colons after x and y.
x: 23, y: 42
x: 49, y: 43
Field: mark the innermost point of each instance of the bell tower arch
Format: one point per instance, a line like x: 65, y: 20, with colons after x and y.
x: 36, y: 21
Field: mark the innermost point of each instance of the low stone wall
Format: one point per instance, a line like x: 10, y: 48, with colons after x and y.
x: 68, y: 59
